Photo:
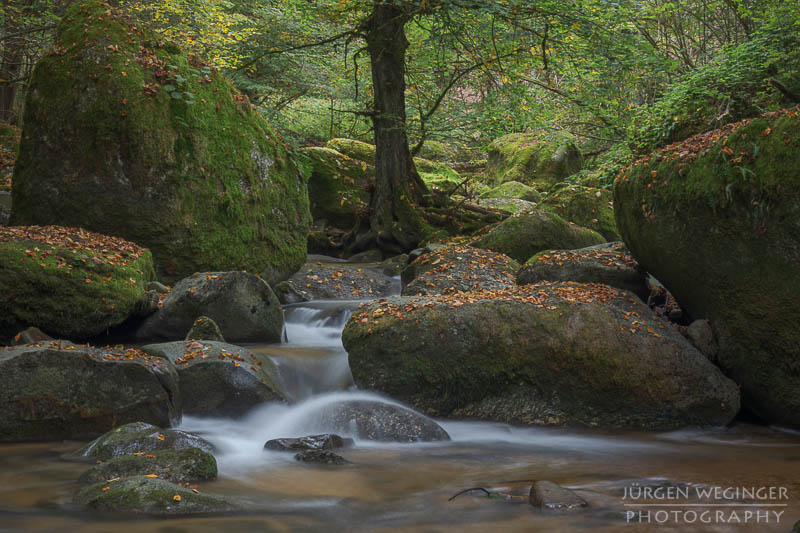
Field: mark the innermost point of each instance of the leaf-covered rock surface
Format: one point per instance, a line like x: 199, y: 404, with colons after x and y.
x: 60, y: 390
x: 341, y: 281
x: 585, y: 206
x: 459, y: 269
x: 129, y: 135
x: 141, y: 437
x: 547, y: 353
x: 243, y: 306
x: 609, y: 264
x: 528, y: 158
x: 219, y: 379
x: 523, y: 235
x: 143, y: 495
x: 178, y: 466
x: 67, y: 281
x: 716, y: 219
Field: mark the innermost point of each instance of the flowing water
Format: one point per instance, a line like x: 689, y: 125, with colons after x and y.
x: 407, y: 487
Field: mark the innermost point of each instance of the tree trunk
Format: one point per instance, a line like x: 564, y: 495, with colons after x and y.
x: 11, y: 63
x: 394, y: 225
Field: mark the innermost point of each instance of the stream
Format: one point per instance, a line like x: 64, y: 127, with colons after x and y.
x: 407, y: 487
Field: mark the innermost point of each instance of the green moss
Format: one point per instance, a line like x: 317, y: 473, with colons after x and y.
x: 586, y: 206
x: 436, y: 151
x: 192, y: 172
x: 436, y: 174
x: 716, y: 219
x: 523, y: 235
x: 69, y: 293
x: 355, y: 149
x: 513, y: 189
x: 188, y: 464
x: 337, y: 186
x: 527, y: 158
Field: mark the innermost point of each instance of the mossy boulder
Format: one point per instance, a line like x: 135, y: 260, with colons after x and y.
x: 459, y: 269
x: 513, y: 189
x: 511, y: 205
x: 525, y: 234
x: 129, y: 135
x: 337, y: 186
x: 585, y: 206
x: 436, y: 174
x: 68, y: 282
x: 219, y: 379
x: 354, y: 149
x: 204, y: 328
x: 717, y: 220
x: 549, y: 353
x: 141, y: 437
x: 610, y: 264
x: 59, y: 390
x: 437, y: 151
x: 528, y: 157
x: 150, y: 496
x: 244, y: 307
x: 178, y: 466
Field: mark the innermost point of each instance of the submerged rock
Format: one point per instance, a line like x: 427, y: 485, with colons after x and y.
x: 150, y: 496
x: 219, y: 379
x: 194, y: 173
x: 548, y: 353
x: 718, y: 223
x: 550, y: 496
x: 138, y: 437
x: 459, y: 268
x: 178, y: 466
x: 243, y: 306
x: 525, y: 234
x: 381, y: 421
x: 59, y: 390
x: 325, y: 457
x: 610, y: 264
x: 69, y: 282
x: 327, y: 441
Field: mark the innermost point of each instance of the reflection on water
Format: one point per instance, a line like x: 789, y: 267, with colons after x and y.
x: 405, y: 487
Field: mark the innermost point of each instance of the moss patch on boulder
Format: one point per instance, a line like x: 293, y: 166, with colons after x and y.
x: 459, y: 269
x: 140, y: 437
x: 513, y: 189
x: 337, y: 186
x: 716, y: 219
x: 178, y: 466
x: 68, y: 282
x: 170, y: 155
x: 527, y: 158
x: 585, y: 206
x: 523, y: 235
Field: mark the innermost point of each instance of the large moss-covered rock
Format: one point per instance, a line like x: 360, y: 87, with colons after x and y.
x: 511, y: 205
x: 129, y: 135
x: 59, y: 390
x: 717, y: 220
x: 585, y: 206
x: 525, y: 234
x: 513, y: 189
x: 436, y: 174
x: 178, y: 466
x: 527, y: 157
x: 337, y: 186
x: 244, y: 307
x: 610, y: 264
x: 549, y: 353
x: 457, y: 269
x: 150, y: 496
x: 219, y: 379
x: 355, y: 149
x: 68, y: 282
x: 140, y: 437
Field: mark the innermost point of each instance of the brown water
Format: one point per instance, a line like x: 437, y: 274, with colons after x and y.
x: 406, y: 488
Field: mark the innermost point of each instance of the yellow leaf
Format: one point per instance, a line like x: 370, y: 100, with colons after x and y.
x: 177, y: 497
x: 150, y: 475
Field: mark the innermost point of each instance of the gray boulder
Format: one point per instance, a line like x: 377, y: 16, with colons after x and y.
x: 327, y: 441
x: 178, y: 466
x: 325, y: 457
x: 550, y: 496
x: 380, y: 421
x: 140, y: 437
x: 205, y: 328
x: 460, y: 268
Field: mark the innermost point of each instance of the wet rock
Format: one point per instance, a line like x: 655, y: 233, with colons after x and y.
x: 59, y: 390
x: 138, y: 437
x: 205, y: 328
x: 523, y: 235
x: 160, y: 288
x: 547, y: 353
x: 394, y: 265
x: 243, y: 306
x: 326, y: 441
x: 287, y: 294
x: 178, y: 466
x: 379, y: 421
x: 219, y: 379
x: 340, y: 281
x: 796, y: 528
x: 150, y: 496
x: 702, y: 336
x: 550, y: 496
x: 610, y: 264
x: 30, y: 336
x: 325, y: 457
x: 460, y: 268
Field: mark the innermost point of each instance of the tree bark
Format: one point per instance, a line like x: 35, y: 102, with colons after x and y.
x: 10, y: 65
x: 394, y: 226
